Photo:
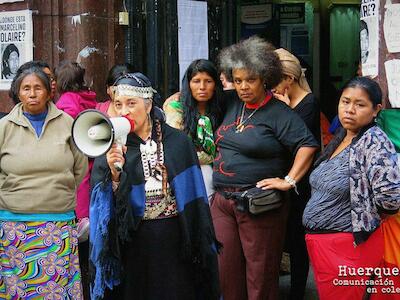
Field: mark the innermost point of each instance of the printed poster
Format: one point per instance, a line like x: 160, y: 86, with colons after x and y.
x: 255, y: 19
x: 369, y: 37
x: 392, y: 68
x: 391, y: 27
x: 16, y: 43
x: 9, y: 1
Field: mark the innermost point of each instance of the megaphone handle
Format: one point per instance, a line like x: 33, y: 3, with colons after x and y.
x: 118, y: 164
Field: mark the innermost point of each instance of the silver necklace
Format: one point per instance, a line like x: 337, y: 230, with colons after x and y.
x: 240, y: 126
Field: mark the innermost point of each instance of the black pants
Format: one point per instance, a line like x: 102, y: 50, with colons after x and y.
x: 296, y: 245
x: 152, y: 264
x: 84, y: 265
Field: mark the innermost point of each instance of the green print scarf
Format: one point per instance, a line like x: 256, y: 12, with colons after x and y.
x: 205, y: 138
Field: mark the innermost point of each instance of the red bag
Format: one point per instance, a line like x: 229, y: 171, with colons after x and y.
x: 391, y: 237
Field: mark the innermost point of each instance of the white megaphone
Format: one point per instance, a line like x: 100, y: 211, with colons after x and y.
x: 94, y: 133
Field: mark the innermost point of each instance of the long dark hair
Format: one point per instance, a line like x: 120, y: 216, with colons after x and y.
x: 190, y: 112
x: 374, y: 93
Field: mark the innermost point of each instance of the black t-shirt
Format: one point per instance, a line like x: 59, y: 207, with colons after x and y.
x: 309, y: 112
x: 264, y: 149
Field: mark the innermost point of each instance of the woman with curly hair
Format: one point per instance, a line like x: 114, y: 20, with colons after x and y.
x: 197, y: 110
x: 261, y: 143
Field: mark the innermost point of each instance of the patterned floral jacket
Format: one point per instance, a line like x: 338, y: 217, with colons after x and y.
x: 374, y: 182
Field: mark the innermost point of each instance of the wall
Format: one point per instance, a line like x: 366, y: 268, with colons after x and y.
x: 56, y: 38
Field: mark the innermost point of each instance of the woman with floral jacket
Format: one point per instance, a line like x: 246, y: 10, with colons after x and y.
x: 355, y: 184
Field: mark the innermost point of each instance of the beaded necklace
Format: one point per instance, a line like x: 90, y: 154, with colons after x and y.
x: 240, y: 127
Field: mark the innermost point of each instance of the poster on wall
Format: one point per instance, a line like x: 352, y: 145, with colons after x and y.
x: 9, y: 1
x: 392, y: 68
x: 391, y: 27
x: 16, y: 43
x: 369, y: 37
x: 255, y: 19
x: 292, y: 13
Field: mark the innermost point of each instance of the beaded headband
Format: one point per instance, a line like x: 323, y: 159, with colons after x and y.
x: 133, y: 91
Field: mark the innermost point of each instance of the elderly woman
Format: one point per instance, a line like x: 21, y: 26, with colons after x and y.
x: 113, y: 74
x: 40, y: 169
x: 355, y: 183
x: 13, y: 94
x: 296, y: 93
x: 151, y: 231
x: 198, y: 112
x: 262, y: 143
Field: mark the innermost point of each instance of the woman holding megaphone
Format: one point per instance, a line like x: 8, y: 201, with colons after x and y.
x: 151, y: 231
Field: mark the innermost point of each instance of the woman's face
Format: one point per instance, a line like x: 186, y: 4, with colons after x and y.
x: 284, y: 85
x: 356, y: 109
x: 13, y: 62
x: 202, y: 87
x: 249, y: 87
x: 364, y: 45
x: 136, y: 108
x: 33, y: 94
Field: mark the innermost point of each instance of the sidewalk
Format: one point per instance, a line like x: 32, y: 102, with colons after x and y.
x: 284, y: 287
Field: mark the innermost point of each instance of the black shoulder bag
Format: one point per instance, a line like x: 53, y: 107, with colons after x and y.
x: 256, y: 200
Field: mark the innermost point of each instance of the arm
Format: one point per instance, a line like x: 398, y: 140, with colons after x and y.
x: 80, y: 163
x: 302, y: 162
x: 174, y: 112
x: 291, y: 131
x: 383, y: 173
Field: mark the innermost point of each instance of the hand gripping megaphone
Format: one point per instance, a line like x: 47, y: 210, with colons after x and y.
x: 94, y: 133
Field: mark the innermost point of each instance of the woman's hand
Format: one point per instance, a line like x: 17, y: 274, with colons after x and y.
x: 274, y: 183
x: 115, y: 155
x: 283, y: 98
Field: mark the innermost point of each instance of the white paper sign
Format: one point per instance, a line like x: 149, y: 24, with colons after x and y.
x: 392, y: 68
x: 256, y: 14
x: 192, y: 33
x: 369, y: 37
x: 16, y: 43
x: 391, y: 27
x: 9, y: 1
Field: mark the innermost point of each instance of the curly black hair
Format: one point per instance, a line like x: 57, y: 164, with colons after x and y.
x: 255, y: 55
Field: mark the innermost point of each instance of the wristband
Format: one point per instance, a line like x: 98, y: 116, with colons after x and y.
x: 292, y: 182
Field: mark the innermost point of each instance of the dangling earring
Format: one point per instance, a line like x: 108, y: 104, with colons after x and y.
x: 150, y: 122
